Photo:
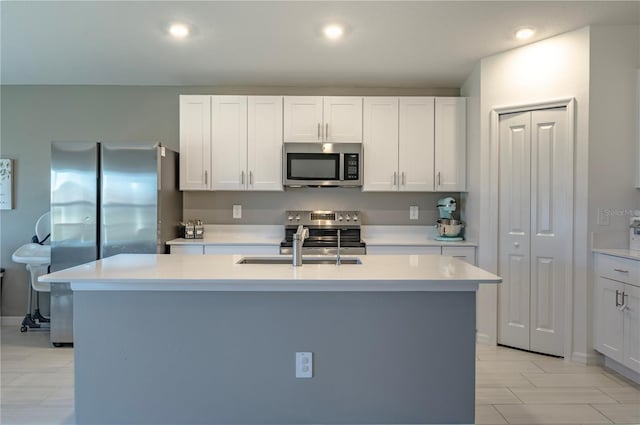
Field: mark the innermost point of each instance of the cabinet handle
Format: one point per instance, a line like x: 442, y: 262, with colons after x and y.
x: 438, y: 178
x: 394, y: 178
x: 326, y: 132
x: 242, y: 178
x: 251, y: 177
x: 206, y: 177
x: 621, y: 270
x: 318, y: 131
x: 404, y: 181
x: 618, y: 304
x: 623, y: 305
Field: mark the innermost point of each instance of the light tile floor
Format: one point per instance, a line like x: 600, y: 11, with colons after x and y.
x: 513, y: 387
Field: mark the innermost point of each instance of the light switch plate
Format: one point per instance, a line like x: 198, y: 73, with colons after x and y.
x: 304, y: 364
x: 237, y: 211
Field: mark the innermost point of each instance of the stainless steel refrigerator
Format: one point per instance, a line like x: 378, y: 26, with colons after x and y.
x: 107, y: 198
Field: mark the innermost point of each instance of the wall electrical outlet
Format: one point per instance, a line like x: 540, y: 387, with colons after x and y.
x: 304, y: 364
x: 413, y: 212
x: 237, y: 211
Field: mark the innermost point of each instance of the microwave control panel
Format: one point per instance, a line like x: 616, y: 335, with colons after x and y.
x: 351, y: 166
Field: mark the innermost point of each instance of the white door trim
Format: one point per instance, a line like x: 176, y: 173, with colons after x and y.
x: 569, y: 104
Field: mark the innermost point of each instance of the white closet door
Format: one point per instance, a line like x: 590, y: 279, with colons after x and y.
x: 550, y: 228
x: 514, y: 227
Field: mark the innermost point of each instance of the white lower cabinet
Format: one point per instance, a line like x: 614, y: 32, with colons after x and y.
x: 186, y: 249
x: 617, y: 312
x: 464, y: 253
x: 242, y: 249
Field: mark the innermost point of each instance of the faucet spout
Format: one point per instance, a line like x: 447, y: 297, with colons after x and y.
x: 298, y: 240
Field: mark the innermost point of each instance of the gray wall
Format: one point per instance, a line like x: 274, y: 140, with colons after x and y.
x: 33, y: 116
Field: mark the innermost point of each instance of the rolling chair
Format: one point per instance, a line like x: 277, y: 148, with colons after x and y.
x: 37, y: 257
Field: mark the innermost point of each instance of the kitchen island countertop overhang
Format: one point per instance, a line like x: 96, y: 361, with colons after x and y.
x: 163, y: 272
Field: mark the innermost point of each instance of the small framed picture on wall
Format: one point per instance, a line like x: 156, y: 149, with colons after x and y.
x: 6, y: 184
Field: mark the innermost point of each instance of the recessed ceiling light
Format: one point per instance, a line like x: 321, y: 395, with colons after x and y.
x: 333, y: 31
x: 179, y: 30
x: 525, y: 33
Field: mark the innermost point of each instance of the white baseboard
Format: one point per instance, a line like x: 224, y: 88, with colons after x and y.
x: 482, y: 338
x: 591, y: 358
x: 11, y: 320
x: 622, y: 370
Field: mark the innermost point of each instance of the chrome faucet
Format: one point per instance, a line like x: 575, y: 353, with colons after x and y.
x: 298, y: 240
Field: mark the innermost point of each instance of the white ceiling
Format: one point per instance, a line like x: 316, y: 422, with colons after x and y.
x: 389, y: 44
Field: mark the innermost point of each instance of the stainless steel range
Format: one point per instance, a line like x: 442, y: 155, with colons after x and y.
x: 324, y: 228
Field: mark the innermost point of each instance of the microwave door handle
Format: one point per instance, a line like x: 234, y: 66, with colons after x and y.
x: 341, y: 172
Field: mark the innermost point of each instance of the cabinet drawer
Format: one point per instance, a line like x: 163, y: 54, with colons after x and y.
x: 186, y: 249
x: 620, y: 269
x: 402, y: 250
x: 242, y: 249
x: 464, y: 253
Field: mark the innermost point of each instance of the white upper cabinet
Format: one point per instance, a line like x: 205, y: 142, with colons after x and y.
x: 195, y: 142
x: 229, y: 142
x: 450, y: 144
x: 380, y: 143
x: 264, y: 147
x: 415, y: 170
x: 342, y: 119
x: 322, y: 119
x: 303, y: 119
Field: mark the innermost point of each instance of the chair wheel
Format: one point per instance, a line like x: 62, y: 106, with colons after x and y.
x: 23, y: 328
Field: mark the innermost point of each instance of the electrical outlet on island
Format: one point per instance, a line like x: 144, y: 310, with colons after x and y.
x: 413, y: 212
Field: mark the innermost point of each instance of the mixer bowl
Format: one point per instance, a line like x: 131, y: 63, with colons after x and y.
x: 446, y: 228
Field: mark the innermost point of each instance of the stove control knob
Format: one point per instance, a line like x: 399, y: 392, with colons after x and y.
x: 290, y: 218
x: 355, y: 218
x: 348, y: 218
x: 297, y: 218
x: 339, y: 218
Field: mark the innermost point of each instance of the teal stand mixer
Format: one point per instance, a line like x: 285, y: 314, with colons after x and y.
x: 448, y: 227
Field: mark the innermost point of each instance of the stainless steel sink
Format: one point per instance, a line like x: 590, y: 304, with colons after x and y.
x: 287, y: 260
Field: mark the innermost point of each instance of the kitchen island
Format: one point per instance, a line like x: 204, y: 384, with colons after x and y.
x: 168, y: 339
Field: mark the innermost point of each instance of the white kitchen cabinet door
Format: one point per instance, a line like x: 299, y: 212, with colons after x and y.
x: 450, y: 144
x: 342, y: 119
x: 415, y: 144
x: 608, y: 318
x: 195, y: 142
x: 380, y: 143
x: 229, y: 142
x: 631, y: 327
x: 303, y: 119
x: 264, y: 146
x: 464, y: 253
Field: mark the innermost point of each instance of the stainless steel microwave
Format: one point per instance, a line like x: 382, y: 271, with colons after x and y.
x: 322, y: 164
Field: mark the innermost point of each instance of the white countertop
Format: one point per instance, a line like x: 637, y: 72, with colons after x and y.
x: 373, y: 235
x: 379, y: 273
x: 624, y: 253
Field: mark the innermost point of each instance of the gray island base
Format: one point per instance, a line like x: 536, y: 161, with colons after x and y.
x: 158, y: 355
